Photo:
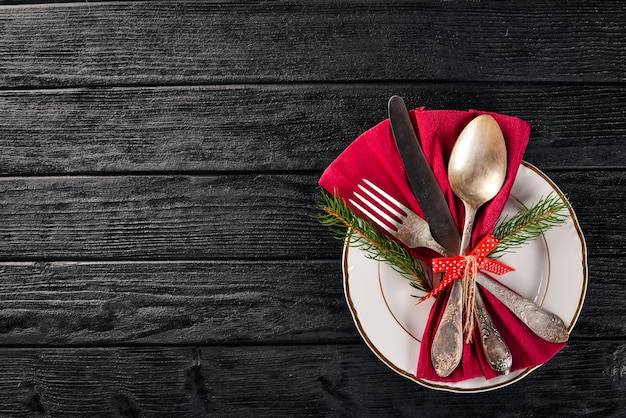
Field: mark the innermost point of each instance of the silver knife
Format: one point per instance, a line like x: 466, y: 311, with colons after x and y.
x: 447, y: 346
x: 422, y: 180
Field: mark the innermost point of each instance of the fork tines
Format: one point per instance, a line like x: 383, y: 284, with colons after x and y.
x: 393, y: 212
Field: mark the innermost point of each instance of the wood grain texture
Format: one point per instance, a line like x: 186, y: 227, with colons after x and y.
x: 151, y: 303
x: 277, y: 128
x: 222, y: 217
x: 329, y: 380
x: 158, y: 170
x: 47, y: 3
x: 600, y: 209
x: 165, y: 42
x: 234, y: 302
x: 160, y: 217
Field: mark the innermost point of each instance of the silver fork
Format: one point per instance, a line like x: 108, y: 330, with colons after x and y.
x: 407, y: 226
x: 413, y: 231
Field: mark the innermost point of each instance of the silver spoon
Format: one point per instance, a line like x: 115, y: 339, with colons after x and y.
x: 476, y: 171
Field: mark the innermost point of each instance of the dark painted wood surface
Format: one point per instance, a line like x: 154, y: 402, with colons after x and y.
x: 159, y: 162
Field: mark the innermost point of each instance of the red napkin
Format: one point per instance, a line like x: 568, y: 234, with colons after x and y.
x: 374, y: 156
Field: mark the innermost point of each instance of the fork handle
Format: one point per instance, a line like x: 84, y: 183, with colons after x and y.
x: 438, y: 248
x: 543, y: 323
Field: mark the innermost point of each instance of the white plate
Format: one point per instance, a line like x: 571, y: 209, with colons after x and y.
x: 551, y: 271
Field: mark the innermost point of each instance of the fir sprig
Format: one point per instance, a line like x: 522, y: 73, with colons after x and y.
x: 524, y: 226
x: 512, y: 232
x: 344, y: 223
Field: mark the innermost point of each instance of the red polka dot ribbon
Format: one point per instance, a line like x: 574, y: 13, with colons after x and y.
x: 455, y: 266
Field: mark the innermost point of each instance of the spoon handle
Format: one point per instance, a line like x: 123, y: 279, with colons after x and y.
x: 543, y: 323
x: 447, y: 347
x: 494, y: 347
x: 468, y: 227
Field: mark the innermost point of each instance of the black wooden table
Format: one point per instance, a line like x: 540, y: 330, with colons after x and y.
x: 159, y: 165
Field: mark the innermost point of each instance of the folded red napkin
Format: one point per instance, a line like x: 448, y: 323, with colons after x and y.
x: 374, y: 156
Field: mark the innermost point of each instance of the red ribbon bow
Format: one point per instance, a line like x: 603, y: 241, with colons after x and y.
x: 455, y: 266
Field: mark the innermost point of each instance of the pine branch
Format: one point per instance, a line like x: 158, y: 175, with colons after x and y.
x: 344, y: 223
x: 512, y: 232
x: 524, y: 226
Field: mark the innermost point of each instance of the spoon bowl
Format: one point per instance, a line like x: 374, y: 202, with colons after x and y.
x: 477, y: 168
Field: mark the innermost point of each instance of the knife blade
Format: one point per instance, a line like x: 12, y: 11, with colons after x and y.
x: 421, y: 178
x: 447, y: 345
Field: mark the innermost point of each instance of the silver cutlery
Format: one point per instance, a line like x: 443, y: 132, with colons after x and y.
x: 543, y: 323
x: 495, y: 349
x: 409, y: 228
x: 443, y: 229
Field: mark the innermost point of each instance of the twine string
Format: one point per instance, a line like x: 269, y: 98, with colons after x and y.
x: 470, y: 272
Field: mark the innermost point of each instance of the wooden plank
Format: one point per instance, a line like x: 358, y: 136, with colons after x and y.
x: 201, y: 217
x: 91, y: 303
x: 160, y: 217
x: 173, y: 303
x: 337, y: 380
x: 45, y: 3
x: 276, y: 128
x: 194, y: 42
x: 599, y: 318
x: 597, y: 199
